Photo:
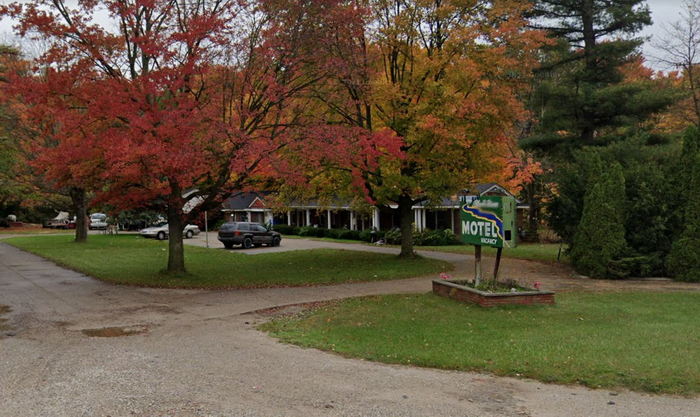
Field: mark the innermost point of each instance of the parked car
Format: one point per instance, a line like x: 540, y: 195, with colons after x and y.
x: 247, y: 235
x: 160, y: 232
x: 98, y: 221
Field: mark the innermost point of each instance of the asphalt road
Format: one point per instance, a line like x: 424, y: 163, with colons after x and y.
x: 198, y: 353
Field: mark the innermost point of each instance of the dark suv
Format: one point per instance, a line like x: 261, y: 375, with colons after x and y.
x: 247, y: 235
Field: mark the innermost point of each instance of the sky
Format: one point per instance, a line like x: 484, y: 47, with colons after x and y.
x: 662, y: 12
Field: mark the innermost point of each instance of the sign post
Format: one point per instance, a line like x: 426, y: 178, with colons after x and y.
x: 488, y: 221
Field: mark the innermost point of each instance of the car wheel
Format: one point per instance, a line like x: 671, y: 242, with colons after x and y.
x: 189, y: 234
x: 247, y: 243
x: 228, y: 245
x: 160, y: 236
x: 276, y: 241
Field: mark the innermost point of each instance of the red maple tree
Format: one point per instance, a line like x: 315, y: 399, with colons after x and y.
x: 190, y: 97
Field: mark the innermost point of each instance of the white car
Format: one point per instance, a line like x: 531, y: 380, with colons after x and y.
x: 161, y: 232
x: 98, y: 221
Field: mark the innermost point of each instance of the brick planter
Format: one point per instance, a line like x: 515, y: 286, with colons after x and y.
x: 456, y: 291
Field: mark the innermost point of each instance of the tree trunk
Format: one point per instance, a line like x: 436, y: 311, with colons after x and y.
x: 533, y: 217
x: 176, y: 249
x: 589, y: 51
x: 78, y: 198
x: 406, y: 222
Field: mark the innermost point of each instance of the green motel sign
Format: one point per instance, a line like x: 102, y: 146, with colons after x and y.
x: 489, y: 221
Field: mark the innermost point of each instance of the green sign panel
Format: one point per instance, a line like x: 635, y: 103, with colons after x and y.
x: 489, y: 221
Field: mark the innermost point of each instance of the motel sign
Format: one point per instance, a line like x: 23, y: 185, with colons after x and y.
x: 489, y: 221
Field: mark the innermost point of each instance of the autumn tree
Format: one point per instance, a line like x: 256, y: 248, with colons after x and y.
x: 419, y: 96
x: 24, y: 190
x: 189, y: 96
x: 679, y: 49
x: 58, y: 137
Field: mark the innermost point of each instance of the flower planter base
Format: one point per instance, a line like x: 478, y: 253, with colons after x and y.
x: 456, y: 291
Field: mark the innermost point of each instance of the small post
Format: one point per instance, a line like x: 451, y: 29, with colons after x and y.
x: 498, y: 264
x: 206, y: 228
x: 477, y: 265
x: 559, y: 252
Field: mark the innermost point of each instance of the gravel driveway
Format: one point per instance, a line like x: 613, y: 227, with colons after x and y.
x: 197, y: 353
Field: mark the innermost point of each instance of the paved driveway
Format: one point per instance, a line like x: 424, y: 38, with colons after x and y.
x: 197, y: 353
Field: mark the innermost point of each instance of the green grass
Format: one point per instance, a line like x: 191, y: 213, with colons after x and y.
x: 133, y: 260
x: 542, y: 252
x: 641, y: 341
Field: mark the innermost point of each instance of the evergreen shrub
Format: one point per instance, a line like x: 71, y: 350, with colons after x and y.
x: 600, y: 237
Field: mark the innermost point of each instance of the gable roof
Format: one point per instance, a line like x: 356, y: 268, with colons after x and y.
x: 257, y: 203
x: 242, y: 200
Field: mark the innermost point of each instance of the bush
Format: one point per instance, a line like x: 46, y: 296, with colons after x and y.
x: 368, y: 235
x: 334, y: 233
x: 307, y: 231
x: 393, y: 236
x: 434, y: 238
x: 345, y: 234
x: 600, y: 237
x: 425, y: 237
x: 637, y: 266
x: 353, y: 234
x: 651, y: 213
x: 286, y: 229
x: 684, y: 260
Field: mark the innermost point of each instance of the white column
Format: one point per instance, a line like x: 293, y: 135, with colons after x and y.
x: 416, y: 220
x: 375, y: 218
x: 422, y: 221
x: 328, y: 216
x: 308, y: 217
x: 353, y: 221
x: 289, y: 218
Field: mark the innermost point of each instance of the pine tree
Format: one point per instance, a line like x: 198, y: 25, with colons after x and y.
x: 581, y: 97
x: 684, y: 260
x: 600, y: 237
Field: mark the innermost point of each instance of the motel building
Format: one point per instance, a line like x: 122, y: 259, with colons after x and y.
x: 251, y: 206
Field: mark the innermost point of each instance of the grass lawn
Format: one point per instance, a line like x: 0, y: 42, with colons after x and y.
x: 543, y: 252
x: 641, y: 341
x: 133, y: 260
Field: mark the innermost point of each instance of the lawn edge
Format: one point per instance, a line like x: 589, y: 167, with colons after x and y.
x: 58, y: 263
x: 313, y: 306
